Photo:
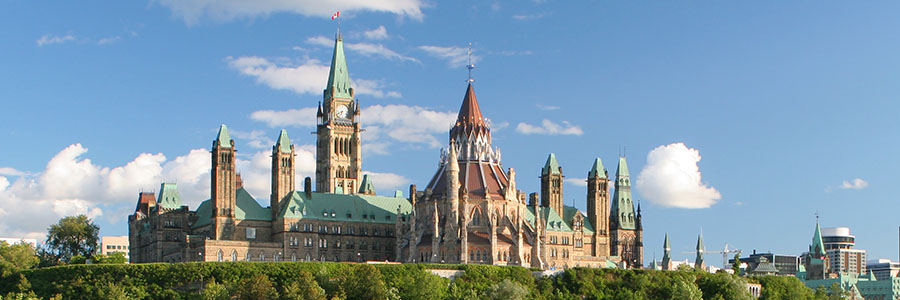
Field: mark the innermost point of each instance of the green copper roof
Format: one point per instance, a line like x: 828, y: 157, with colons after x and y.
x: 284, y: 143
x: 247, y: 208
x: 622, y: 205
x: 597, y: 170
x: 367, y: 187
x: 817, y: 246
x: 554, y: 222
x: 700, y: 243
x: 168, y: 196
x: 622, y: 169
x: 224, y: 139
x: 552, y: 166
x: 338, y: 76
x: 204, y: 214
x: 344, y: 207
x: 569, y: 214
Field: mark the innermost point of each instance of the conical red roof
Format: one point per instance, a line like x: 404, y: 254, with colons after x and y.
x: 469, y: 112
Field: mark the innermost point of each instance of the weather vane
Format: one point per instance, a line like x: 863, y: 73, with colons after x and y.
x: 470, y: 66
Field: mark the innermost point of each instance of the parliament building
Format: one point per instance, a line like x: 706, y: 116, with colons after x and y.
x: 470, y: 212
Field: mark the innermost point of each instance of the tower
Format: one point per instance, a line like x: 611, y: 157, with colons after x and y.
x: 623, y: 234
x: 282, y: 171
x: 814, y: 259
x: 598, y: 207
x: 222, y: 187
x: 551, y: 185
x: 667, y: 254
x: 338, y: 157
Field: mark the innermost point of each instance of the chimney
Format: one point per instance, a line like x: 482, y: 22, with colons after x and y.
x: 238, y: 182
x: 533, y: 199
x: 307, y: 187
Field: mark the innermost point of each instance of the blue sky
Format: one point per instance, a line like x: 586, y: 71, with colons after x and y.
x: 784, y: 102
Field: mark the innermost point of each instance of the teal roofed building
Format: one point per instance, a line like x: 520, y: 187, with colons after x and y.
x: 471, y: 211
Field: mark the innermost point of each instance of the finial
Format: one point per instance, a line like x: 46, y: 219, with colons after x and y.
x: 470, y: 66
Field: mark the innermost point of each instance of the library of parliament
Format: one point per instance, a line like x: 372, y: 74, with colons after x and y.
x: 470, y: 212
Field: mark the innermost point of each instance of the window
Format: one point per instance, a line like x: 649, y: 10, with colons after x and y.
x: 262, y: 256
x: 233, y: 255
x: 219, y: 255
x: 337, y: 244
x: 251, y: 233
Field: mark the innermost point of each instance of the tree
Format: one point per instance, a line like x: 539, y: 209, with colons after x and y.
x: 16, y: 257
x: 507, y: 290
x: 112, y: 258
x: 256, y: 288
x: 835, y: 292
x: 303, y: 288
x: 214, y: 291
x: 736, y: 265
x: 73, y: 235
x: 112, y: 291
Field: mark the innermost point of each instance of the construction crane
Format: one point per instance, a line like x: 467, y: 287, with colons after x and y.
x: 725, y: 252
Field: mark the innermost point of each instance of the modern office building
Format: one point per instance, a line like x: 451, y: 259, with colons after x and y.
x: 883, y: 268
x: 786, y: 265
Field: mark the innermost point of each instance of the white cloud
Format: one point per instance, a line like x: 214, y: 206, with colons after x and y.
x: 672, y: 178
x: 455, y: 56
x: 48, y: 39
x: 7, y: 171
x: 384, y: 124
x: 576, y: 181
x: 255, y: 139
x: 366, y: 49
x: 379, y: 33
x: 528, y: 17
x: 387, y: 183
x: 855, y: 183
x: 307, y: 78
x: 550, y: 128
x: 547, y: 107
x: 192, y: 11
x: 108, y: 40
x: 71, y: 184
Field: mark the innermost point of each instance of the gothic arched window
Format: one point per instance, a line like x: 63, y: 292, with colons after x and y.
x: 233, y: 255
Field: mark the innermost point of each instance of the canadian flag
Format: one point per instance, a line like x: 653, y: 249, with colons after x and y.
x: 336, y: 15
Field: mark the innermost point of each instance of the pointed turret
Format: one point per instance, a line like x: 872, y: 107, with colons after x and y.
x: 597, y: 170
x: 223, y: 139
x: 667, y: 254
x: 470, y: 112
x: 622, y: 206
x: 338, y: 76
x: 284, y: 143
x: 698, y: 261
x: 551, y: 166
x: 551, y: 185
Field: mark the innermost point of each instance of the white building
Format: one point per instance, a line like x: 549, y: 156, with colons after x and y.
x: 883, y: 268
x: 839, y: 252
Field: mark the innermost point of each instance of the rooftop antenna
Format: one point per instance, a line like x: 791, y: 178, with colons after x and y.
x: 470, y: 66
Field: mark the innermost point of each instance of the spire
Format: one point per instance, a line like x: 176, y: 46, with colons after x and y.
x: 284, y: 143
x: 817, y: 247
x: 223, y: 139
x: 666, y: 245
x: 338, y: 76
x: 597, y: 170
x: 469, y: 112
x: 622, y: 170
x: 552, y: 166
x: 452, y: 158
x: 698, y: 262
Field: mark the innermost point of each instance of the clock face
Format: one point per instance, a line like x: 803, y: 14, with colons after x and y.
x: 343, y: 111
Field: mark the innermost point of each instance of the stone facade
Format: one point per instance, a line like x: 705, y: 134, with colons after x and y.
x: 469, y: 212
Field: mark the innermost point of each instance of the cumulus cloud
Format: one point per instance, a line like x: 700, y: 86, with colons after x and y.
x: 366, y: 49
x: 49, y: 39
x: 307, y: 78
x: 855, y: 183
x: 385, y: 124
x: 455, y: 56
x: 387, y: 183
x: 379, y: 33
x: 672, y: 178
x: 576, y: 181
x: 72, y: 184
x: 192, y: 11
x: 7, y: 171
x: 550, y: 128
x: 255, y: 139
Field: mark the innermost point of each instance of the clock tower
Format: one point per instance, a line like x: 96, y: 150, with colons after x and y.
x: 338, y: 159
